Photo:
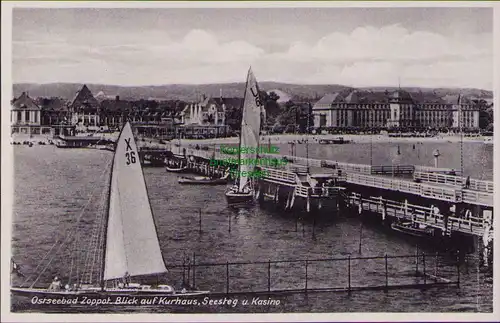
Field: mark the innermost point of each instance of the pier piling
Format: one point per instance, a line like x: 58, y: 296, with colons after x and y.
x: 423, y: 262
x: 416, y: 262
x: 436, y: 265
x: 386, y: 274
x: 305, y: 286
x: 269, y: 276
x: 360, y: 235
x: 349, y: 273
x: 200, y: 221
x: 227, y: 277
x: 194, y: 270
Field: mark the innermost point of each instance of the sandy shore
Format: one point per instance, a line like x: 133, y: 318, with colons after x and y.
x: 284, y: 139
x: 279, y: 139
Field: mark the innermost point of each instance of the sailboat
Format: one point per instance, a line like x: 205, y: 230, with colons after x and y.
x: 130, y: 240
x: 242, y: 192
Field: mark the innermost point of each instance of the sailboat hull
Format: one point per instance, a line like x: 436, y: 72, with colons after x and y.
x: 237, y: 198
x: 98, y: 293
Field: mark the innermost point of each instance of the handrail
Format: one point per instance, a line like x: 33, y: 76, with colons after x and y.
x: 477, y: 185
x: 419, y: 214
x: 443, y: 193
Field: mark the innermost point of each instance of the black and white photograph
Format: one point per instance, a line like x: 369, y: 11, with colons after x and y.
x: 245, y: 158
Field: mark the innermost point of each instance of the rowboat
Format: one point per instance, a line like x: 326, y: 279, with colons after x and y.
x: 176, y: 169
x: 203, y: 180
x: 413, y: 229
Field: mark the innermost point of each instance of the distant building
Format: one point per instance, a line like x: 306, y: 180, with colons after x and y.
x: 114, y: 113
x: 208, y: 112
x: 54, y: 111
x: 84, y: 110
x: 206, y: 118
x: 396, y: 109
x: 25, y: 116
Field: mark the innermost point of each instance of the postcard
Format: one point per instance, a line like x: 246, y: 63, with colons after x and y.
x: 250, y: 161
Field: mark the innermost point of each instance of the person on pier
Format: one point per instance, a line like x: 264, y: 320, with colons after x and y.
x: 467, y: 182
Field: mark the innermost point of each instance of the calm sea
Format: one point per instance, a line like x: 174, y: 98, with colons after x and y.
x: 53, y: 185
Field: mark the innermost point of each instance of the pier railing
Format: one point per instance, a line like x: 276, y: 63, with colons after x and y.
x: 390, y: 169
x: 312, y: 162
x: 477, y: 198
x: 442, y: 193
x: 476, y: 185
x: 419, y: 214
x: 342, y: 274
x: 430, y: 169
x: 280, y: 176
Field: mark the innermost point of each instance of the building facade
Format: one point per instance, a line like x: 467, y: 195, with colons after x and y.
x: 397, y: 109
x: 85, y: 110
x: 207, y: 112
x: 25, y: 116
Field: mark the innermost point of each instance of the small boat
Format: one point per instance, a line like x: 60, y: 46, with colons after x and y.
x: 153, y: 161
x: 202, y: 180
x: 336, y: 141
x: 413, y: 228
x: 130, y: 249
x: 242, y: 192
x: 176, y: 169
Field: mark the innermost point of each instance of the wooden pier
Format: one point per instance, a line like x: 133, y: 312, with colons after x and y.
x: 409, y: 192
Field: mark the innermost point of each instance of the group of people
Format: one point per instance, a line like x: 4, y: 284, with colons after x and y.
x: 56, y: 285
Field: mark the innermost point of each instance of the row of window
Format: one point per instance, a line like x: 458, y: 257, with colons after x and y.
x: 27, y: 116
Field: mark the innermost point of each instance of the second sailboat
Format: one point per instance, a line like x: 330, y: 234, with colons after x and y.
x: 242, y: 192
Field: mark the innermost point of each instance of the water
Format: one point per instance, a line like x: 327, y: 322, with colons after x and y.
x: 53, y: 185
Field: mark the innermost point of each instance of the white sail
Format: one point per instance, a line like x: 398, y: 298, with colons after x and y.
x: 250, y: 127
x: 131, y: 242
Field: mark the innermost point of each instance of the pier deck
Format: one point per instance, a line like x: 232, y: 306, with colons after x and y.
x: 419, y: 214
x: 429, y: 182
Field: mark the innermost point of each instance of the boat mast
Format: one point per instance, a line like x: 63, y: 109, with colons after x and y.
x: 105, y: 233
x: 241, y: 127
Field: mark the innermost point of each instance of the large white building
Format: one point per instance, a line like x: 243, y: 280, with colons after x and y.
x: 360, y: 109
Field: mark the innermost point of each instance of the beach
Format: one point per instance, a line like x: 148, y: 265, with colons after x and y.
x: 275, y: 139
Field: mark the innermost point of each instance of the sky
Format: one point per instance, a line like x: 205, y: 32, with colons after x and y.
x: 428, y: 47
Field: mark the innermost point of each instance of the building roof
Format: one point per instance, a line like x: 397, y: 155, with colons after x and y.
x: 219, y: 103
x: 326, y: 100
x: 402, y: 96
x: 24, y: 102
x: 359, y: 96
x: 114, y: 106
x: 84, y: 97
x: 455, y: 99
x: 53, y: 104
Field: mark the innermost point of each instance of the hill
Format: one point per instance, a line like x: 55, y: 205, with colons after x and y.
x: 188, y: 92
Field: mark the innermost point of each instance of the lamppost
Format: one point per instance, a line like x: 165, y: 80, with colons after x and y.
x: 436, y: 155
